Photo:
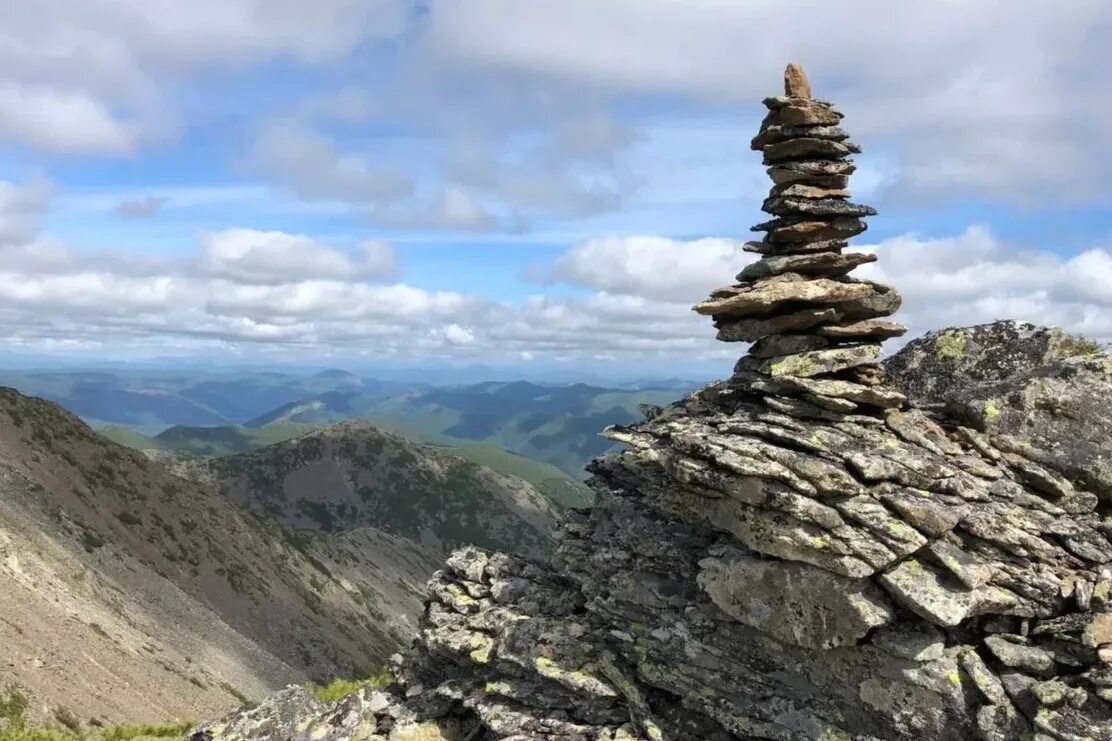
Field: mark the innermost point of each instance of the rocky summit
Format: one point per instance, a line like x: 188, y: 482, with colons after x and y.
x: 806, y: 551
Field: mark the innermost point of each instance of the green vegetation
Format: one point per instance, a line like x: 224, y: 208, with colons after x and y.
x: 129, y: 438
x: 243, y: 700
x: 230, y: 440
x: 1074, y: 346
x: 15, y: 726
x: 338, y: 689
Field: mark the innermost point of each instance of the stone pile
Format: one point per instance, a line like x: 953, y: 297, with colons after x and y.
x: 816, y: 332
x: 765, y: 562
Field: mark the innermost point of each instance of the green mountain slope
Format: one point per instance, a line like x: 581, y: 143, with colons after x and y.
x: 558, y: 425
x: 354, y: 474
x: 556, y: 484
x: 135, y: 595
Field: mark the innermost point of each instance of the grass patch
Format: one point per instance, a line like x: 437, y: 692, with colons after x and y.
x: 243, y: 700
x: 338, y: 689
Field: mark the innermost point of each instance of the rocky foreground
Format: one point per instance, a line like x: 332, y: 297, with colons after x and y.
x: 822, y: 547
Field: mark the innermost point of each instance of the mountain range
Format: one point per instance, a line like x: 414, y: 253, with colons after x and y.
x: 156, y: 586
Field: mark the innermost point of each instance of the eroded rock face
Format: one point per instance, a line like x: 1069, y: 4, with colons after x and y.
x: 1034, y: 391
x: 799, y: 553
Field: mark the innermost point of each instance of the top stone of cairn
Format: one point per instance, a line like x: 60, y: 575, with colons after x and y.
x: 796, y: 84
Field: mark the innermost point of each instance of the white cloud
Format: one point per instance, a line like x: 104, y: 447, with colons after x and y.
x: 455, y: 208
x: 653, y: 267
x: 62, y: 121
x: 1025, y: 113
x: 276, y: 257
x: 974, y: 277
x: 89, y: 77
x: 630, y: 300
x: 308, y: 163
x: 21, y: 210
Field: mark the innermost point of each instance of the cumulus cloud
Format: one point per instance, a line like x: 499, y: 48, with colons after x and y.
x: 975, y: 277
x: 277, y: 257
x: 308, y: 163
x: 652, y: 267
x: 455, y: 208
x: 624, y: 299
x: 1023, y: 114
x: 141, y: 208
x: 79, y: 77
x: 21, y: 210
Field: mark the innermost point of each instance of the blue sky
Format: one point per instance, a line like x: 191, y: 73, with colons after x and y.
x: 519, y: 181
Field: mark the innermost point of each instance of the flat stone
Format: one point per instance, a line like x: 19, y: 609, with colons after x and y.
x: 795, y: 248
x: 806, y: 148
x: 812, y: 363
x: 811, y: 172
x: 827, y: 387
x: 796, y: 84
x: 794, y: 603
x: 927, y: 592
x: 808, y: 115
x: 830, y: 403
x: 924, y: 513
x: 762, y: 298
x: 751, y: 330
x: 787, y: 344
x: 774, y: 102
x: 1099, y: 631
x: 1012, y: 652
x: 815, y: 230
x: 781, y: 206
x: 987, y: 682
x: 772, y: 133
x: 830, y: 264
x: 798, y: 190
x: 972, y: 572
x: 883, y: 302
x: 912, y: 641
x: 869, y: 329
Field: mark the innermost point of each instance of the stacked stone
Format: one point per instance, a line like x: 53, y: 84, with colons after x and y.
x: 816, y: 332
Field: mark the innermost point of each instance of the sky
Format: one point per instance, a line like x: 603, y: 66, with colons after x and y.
x: 523, y: 182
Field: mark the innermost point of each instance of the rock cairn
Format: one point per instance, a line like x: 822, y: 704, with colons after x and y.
x: 816, y: 332
x: 764, y: 562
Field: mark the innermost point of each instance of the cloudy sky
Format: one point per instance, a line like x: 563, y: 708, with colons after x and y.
x: 523, y: 181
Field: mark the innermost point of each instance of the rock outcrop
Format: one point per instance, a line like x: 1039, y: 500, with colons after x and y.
x: 798, y: 552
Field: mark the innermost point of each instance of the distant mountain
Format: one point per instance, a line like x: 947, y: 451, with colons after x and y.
x: 559, y: 425
x: 559, y: 486
x: 130, y: 593
x: 556, y: 424
x: 323, y: 409
x: 354, y: 474
x: 150, y: 401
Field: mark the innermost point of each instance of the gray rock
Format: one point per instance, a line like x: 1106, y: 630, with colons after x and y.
x: 1036, y: 392
x: 815, y: 229
x: 775, y: 133
x: 913, y: 641
x: 811, y: 363
x: 795, y: 248
x: 823, y: 207
x: 805, y: 148
x: 863, y: 330
x: 793, y: 602
x: 829, y: 264
x: 750, y: 330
